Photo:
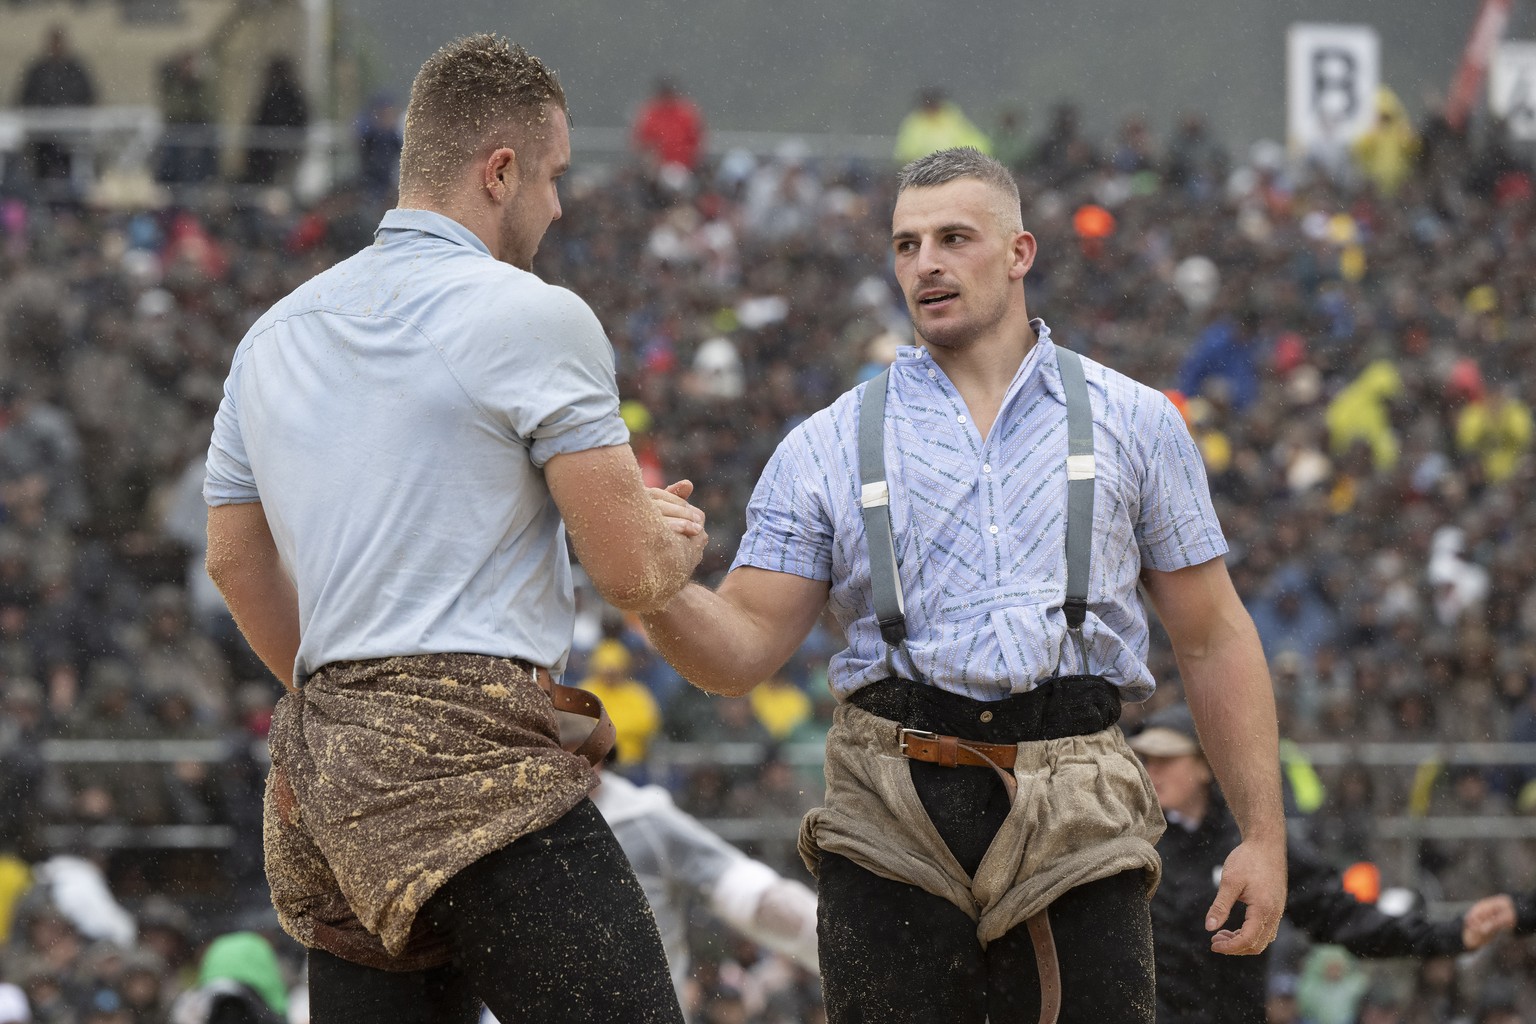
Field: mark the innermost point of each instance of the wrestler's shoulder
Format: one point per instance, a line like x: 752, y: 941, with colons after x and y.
x: 505, y: 290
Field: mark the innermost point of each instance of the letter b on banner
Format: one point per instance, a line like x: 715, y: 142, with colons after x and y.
x: 1331, y: 79
x: 1335, y: 85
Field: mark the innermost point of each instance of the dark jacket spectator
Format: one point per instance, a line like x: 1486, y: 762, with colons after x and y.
x: 273, y: 152
x: 1197, y: 986
x: 55, y: 79
x: 188, y: 154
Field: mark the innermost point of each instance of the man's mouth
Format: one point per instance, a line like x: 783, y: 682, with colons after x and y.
x: 931, y: 299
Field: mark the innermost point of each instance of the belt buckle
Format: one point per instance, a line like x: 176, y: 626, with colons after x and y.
x: 903, y: 732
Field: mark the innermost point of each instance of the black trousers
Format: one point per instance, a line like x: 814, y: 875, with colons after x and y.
x: 891, y: 952
x: 551, y: 928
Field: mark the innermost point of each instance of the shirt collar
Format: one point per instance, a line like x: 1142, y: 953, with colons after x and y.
x: 429, y: 223
x: 919, y: 353
x: 1041, y: 355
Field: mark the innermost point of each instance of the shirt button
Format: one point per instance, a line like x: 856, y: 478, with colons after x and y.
x: 986, y: 716
x: 961, y: 418
x: 992, y: 528
x: 932, y: 374
x: 986, y: 467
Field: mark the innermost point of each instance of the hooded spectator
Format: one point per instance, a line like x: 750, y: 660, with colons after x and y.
x: 936, y: 123
x: 239, y: 982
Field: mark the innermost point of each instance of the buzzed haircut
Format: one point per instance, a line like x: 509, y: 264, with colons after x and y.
x: 477, y: 91
x: 949, y: 165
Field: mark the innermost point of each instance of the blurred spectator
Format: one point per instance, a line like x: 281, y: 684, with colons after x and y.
x: 14, y: 1008
x: 22, y: 800
x: 173, y: 658
x: 1361, y: 414
x: 1133, y: 150
x: 188, y: 155
x: 56, y: 78
x: 378, y: 146
x: 1062, y: 154
x: 1496, y: 430
x: 780, y: 705
x: 679, y: 861
x: 936, y: 123
x: 1010, y: 140
x: 1386, y: 153
x: 1226, y: 355
x: 669, y: 128
x: 1331, y: 986
x: 783, y: 198
x: 1195, y: 162
x: 281, y: 111
x: 631, y: 706
x: 1291, y: 617
x: 239, y: 982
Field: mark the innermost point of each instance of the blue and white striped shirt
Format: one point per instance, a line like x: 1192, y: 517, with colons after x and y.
x: 980, y: 526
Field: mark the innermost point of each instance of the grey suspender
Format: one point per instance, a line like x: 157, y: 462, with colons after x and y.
x: 1080, y: 475
x: 875, y: 499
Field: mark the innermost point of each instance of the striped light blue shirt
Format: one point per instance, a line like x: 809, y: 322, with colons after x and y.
x: 980, y: 526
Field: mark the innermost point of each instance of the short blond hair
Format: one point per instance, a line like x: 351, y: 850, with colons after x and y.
x: 949, y: 165
x: 477, y: 91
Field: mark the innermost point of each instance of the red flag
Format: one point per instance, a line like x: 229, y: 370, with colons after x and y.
x: 1492, y: 19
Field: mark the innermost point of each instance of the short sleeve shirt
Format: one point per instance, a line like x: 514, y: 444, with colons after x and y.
x: 393, y: 416
x: 980, y: 526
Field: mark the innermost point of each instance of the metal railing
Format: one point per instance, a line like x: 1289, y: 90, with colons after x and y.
x: 126, y: 140
x: 664, y: 756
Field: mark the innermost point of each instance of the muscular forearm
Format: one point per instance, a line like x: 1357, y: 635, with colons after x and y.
x: 244, y: 565
x: 267, y: 612
x: 714, y: 644
x: 1228, y: 688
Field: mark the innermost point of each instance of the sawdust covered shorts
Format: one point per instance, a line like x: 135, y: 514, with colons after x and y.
x: 926, y: 872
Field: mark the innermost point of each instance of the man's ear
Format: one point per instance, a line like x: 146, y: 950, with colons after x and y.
x: 1023, y: 255
x: 500, y: 173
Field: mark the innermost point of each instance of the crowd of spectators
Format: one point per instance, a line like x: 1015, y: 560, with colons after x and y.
x: 1350, y: 337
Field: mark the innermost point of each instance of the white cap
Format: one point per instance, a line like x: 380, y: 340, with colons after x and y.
x: 14, y: 1008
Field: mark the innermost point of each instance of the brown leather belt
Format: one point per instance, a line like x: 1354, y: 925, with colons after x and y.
x: 950, y: 751
x: 922, y: 745
x: 599, y: 741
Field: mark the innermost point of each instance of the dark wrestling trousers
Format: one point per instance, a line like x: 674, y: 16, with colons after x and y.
x: 550, y: 929
x: 891, y: 952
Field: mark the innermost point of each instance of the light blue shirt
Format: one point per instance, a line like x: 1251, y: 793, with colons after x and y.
x: 393, y: 416
x: 980, y: 526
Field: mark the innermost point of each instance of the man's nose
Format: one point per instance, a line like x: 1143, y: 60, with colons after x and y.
x: 929, y: 260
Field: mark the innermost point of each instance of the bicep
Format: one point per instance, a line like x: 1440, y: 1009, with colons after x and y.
x: 782, y: 606
x: 1194, y: 603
